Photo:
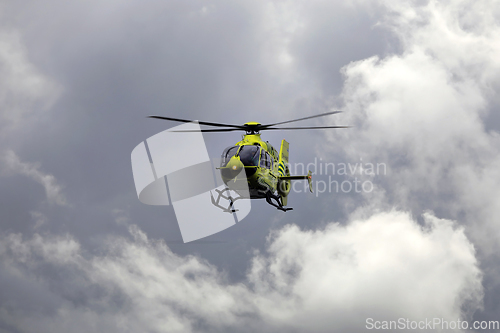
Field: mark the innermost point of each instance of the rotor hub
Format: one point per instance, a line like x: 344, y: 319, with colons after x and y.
x: 252, y: 127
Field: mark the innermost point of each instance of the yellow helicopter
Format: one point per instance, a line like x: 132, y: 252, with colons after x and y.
x: 266, y: 171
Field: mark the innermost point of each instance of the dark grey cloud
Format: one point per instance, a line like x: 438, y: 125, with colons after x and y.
x: 118, y: 64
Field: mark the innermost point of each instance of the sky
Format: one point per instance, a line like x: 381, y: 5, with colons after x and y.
x: 416, y: 80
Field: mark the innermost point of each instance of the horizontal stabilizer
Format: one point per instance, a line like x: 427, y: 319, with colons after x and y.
x: 308, y: 177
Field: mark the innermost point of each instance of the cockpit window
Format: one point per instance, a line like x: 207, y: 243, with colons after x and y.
x: 249, y: 155
x: 227, y: 154
x: 265, y: 159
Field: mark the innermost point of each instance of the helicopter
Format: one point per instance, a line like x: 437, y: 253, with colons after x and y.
x: 267, y: 172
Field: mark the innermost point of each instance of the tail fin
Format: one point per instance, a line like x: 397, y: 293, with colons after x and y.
x: 283, y: 160
x: 284, y: 200
x: 284, y: 172
x: 283, y: 185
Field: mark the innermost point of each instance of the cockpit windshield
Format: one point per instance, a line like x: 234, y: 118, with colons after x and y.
x: 249, y: 155
x: 227, y: 154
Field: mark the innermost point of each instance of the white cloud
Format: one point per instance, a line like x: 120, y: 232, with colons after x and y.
x: 281, y: 23
x: 23, y: 89
x: 384, y: 267
x: 39, y: 218
x: 53, y: 189
x: 424, y: 111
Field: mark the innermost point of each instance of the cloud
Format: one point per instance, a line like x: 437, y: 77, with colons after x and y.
x: 23, y: 89
x: 430, y: 112
x: 422, y: 111
x: 425, y: 112
x: 384, y: 267
x: 53, y: 190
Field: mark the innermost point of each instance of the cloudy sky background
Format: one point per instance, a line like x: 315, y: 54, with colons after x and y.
x: 418, y: 81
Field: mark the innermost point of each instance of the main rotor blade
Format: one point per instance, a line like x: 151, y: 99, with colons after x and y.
x: 291, y: 121
x: 199, y: 122
x: 211, y: 130
x: 299, y: 128
x: 262, y: 129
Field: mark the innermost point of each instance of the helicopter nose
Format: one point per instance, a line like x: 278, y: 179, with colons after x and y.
x: 233, y: 168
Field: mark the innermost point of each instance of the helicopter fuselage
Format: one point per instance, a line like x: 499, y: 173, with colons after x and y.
x: 255, y: 166
x: 264, y: 167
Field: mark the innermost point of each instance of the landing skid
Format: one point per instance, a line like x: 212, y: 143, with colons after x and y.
x: 270, y: 196
x: 229, y: 208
